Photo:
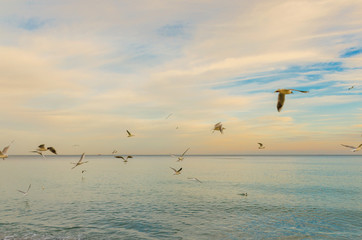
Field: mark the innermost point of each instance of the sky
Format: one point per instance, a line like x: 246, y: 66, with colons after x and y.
x: 76, y: 74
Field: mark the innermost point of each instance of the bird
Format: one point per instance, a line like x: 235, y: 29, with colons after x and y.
x: 114, y: 151
x: 3, y: 153
x: 124, y: 159
x: 169, y: 115
x: 180, y: 158
x: 25, y: 193
x: 129, y: 134
x: 261, y: 146
x: 354, y: 149
x: 281, y: 96
x: 43, y: 149
x: 80, y: 161
x: 177, y: 172
x: 243, y: 194
x: 39, y: 152
x: 195, y: 179
x: 350, y: 88
x: 218, y: 127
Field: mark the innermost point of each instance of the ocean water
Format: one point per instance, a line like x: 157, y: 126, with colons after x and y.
x: 289, y: 197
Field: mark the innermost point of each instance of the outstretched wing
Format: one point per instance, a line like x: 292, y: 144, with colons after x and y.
x: 348, y: 146
x: 185, y: 152
x: 41, y: 146
x: 129, y: 134
x: 52, y: 150
x: 281, y: 99
x: 260, y: 144
x: 129, y: 157
x: 5, y: 149
x: 218, y: 124
x: 300, y: 91
x: 179, y: 170
x: 119, y: 157
x: 173, y: 169
x: 81, y: 158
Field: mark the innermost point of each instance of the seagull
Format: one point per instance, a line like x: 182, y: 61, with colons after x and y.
x: 124, y: 159
x: 3, y: 154
x: 177, y: 172
x: 169, y: 115
x: 80, y: 161
x: 243, y: 194
x: 43, y: 148
x: 180, y: 158
x: 114, y: 151
x: 25, y: 193
x: 129, y: 134
x: 350, y: 88
x: 281, y: 96
x: 218, y: 127
x: 195, y: 179
x: 354, y: 149
x: 261, y: 146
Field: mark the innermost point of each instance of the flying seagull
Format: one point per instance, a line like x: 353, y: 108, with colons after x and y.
x: 25, y: 193
x: 350, y: 88
x: 195, y: 179
x: 354, y: 149
x: 180, y: 158
x: 80, y: 161
x: 177, y: 172
x: 261, y: 146
x: 124, y: 159
x: 218, y: 127
x: 281, y: 96
x: 169, y: 115
x: 3, y: 154
x: 129, y: 134
x: 42, y: 148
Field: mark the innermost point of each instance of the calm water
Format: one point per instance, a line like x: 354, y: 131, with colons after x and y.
x: 289, y: 197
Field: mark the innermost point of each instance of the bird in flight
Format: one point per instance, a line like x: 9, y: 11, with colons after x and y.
x: 281, y: 96
x: 354, y: 149
x: 124, y: 159
x: 42, y: 148
x: 194, y: 179
x: 181, y: 157
x: 350, y: 88
x: 169, y: 115
x: 25, y: 193
x: 38, y: 152
x: 3, y: 153
x: 177, y: 172
x: 218, y: 127
x: 261, y: 146
x: 129, y: 134
x: 80, y: 161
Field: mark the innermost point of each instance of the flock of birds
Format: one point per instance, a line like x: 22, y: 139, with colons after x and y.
x: 217, y: 127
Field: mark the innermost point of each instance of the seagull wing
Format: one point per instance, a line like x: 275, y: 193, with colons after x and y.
x: 52, y: 150
x: 260, y: 144
x: 81, y: 158
x: 300, y: 91
x: 179, y: 170
x: 129, y: 134
x: 218, y: 124
x: 348, y: 146
x: 28, y: 188
x: 119, y: 157
x: 185, y: 152
x: 129, y: 157
x: 173, y: 169
x: 22, y: 192
x: 5, y: 149
x: 41, y: 146
x: 281, y: 99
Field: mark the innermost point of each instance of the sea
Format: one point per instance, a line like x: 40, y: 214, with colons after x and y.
x: 288, y: 197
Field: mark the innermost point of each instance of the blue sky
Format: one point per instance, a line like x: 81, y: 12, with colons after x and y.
x: 80, y: 72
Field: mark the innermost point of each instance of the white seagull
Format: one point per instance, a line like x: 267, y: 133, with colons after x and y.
x: 80, y: 161
x: 3, y: 153
x: 218, y: 127
x: 180, y: 158
x: 42, y: 148
x: 194, y: 179
x: 129, y: 134
x: 25, y: 193
x: 281, y: 96
x: 354, y: 149
x: 261, y: 146
x: 177, y: 172
x: 124, y: 159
